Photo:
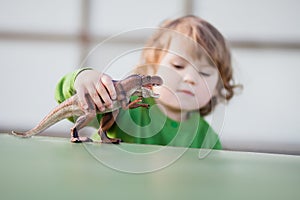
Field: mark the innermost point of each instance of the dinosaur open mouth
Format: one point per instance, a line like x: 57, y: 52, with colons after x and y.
x: 150, y: 88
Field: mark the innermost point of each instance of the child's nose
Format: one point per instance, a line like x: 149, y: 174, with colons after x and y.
x: 189, y: 76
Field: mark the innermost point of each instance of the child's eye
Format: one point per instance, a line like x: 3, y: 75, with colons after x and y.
x: 178, y: 66
x: 204, y: 74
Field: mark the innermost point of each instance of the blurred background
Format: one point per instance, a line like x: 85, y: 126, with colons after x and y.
x: 40, y: 41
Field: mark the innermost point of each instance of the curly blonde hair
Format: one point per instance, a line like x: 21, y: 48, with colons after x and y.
x: 205, y: 35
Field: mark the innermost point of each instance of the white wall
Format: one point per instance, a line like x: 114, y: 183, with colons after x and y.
x: 29, y: 73
x: 53, y: 16
x: 264, y: 117
x: 259, y: 20
x: 30, y: 68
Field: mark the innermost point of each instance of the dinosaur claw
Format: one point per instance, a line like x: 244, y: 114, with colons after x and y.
x: 111, y: 141
x: 80, y: 139
x: 75, y: 140
x: 20, y: 134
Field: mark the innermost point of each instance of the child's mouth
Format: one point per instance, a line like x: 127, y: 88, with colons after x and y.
x: 187, y: 92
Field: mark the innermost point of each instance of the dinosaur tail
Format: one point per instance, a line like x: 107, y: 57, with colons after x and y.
x: 64, y: 110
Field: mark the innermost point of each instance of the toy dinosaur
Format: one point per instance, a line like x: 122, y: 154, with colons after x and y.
x: 133, y: 85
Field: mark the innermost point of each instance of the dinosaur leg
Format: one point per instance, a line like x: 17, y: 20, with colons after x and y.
x: 136, y: 103
x: 106, y: 122
x: 80, y: 123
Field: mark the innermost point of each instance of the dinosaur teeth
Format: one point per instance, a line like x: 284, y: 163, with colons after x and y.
x: 155, y: 95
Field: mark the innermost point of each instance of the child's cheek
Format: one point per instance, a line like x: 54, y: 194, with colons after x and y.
x: 203, y: 98
x: 170, y: 77
x: 206, y: 90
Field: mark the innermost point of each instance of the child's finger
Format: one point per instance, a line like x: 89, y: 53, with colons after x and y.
x: 101, y: 97
x: 95, y: 98
x: 108, y: 84
x: 81, y: 94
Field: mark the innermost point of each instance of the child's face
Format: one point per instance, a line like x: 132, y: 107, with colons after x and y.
x: 189, y: 83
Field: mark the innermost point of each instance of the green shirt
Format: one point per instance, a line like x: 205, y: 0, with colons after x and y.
x: 150, y: 126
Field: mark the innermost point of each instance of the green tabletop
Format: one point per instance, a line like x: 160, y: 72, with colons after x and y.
x: 53, y: 168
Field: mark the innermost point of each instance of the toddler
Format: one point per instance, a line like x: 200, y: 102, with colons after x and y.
x: 193, y: 59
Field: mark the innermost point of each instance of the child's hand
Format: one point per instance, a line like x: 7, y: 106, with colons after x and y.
x: 98, y: 86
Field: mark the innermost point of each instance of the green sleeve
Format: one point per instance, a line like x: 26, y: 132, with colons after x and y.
x: 65, y: 87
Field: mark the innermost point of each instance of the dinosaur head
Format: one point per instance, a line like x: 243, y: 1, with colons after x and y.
x: 147, y: 82
x: 151, y: 81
